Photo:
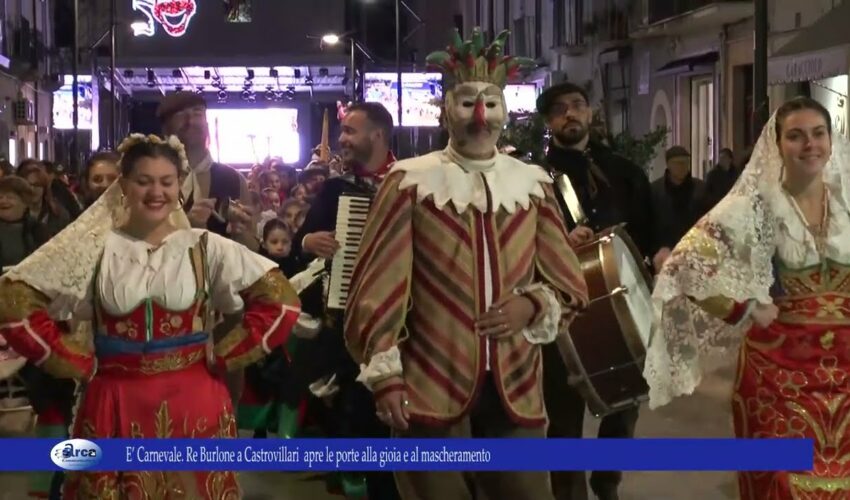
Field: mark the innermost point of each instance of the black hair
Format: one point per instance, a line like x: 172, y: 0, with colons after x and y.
x: 549, y: 96
x: 728, y: 152
x: 799, y: 104
x: 147, y: 149
x: 275, y: 224
x: 378, y: 115
x: 101, y: 157
x: 27, y: 165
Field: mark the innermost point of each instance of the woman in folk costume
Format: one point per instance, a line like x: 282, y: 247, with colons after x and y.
x: 770, y: 265
x: 148, y: 282
x: 464, y: 270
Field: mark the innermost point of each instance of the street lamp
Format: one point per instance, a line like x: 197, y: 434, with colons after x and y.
x: 330, y: 39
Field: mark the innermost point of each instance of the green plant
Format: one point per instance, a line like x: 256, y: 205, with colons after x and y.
x: 642, y: 150
x: 527, y: 133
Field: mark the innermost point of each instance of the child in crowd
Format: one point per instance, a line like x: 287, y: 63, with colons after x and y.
x: 271, y: 199
x: 290, y: 212
x: 277, y: 240
x: 257, y: 409
x: 299, y: 192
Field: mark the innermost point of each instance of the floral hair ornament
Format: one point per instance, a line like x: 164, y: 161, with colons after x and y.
x: 472, y: 61
x: 171, y: 141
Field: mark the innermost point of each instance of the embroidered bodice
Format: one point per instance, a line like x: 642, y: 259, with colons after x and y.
x: 802, y: 269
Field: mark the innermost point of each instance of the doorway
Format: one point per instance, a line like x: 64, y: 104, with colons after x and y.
x: 702, y: 125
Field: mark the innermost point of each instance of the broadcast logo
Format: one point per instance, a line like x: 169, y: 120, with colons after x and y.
x: 75, y: 454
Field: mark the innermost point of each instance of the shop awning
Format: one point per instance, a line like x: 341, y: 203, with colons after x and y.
x: 707, y: 59
x: 821, y: 50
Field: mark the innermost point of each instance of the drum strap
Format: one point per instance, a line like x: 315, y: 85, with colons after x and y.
x: 570, y: 198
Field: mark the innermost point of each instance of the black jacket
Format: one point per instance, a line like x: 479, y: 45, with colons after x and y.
x: 677, y: 208
x: 623, y: 197
x: 719, y: 182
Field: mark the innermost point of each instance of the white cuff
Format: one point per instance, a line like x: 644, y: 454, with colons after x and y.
x: 546, y: 329
x: 306, y: 327
x: 382, y: 366
x: 305, y: 278
x: 751, y: 304
x: 324, y: 387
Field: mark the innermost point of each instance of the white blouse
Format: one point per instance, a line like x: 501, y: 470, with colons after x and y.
x: 796, y: 245
x: 132, y: 270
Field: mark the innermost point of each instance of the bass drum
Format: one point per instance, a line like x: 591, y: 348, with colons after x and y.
x: 605, y: 347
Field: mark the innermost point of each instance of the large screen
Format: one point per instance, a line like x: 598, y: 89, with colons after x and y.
x: 420, y: 99
x: 63, y: 104
x: 521, y: 99
x: 249, y: 136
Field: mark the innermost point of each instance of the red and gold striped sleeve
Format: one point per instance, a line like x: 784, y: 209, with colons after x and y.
x: 271, y: 310
x: 380, y: 285
x: 26, y: 326
x: 556, y: 264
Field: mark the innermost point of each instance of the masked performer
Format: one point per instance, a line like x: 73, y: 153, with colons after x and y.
x: 464, y: 270
x: 769, y: 265
x: 148, y: 282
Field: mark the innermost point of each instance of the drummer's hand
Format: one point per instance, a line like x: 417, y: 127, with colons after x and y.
x: 391, y: 406
x: 764, y: 314
x: 506, y: 317
x: 580, y: 235
x: 660, y: 258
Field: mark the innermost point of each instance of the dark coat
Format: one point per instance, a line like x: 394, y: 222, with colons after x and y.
x: 678, y: 208
x: 624, y: 195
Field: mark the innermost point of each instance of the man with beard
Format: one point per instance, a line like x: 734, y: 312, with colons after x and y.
x: 453, y: 294
x: 611, y: 190
x: 367, y: 130
x: 210, y: 186
x: 207, y: 192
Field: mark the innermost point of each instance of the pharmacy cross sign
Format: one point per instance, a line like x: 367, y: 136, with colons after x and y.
x: 172, y: 15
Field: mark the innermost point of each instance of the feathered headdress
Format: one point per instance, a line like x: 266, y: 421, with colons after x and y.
x: 472, y: 61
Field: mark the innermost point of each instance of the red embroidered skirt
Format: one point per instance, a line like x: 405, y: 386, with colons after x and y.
x: 794, y: 382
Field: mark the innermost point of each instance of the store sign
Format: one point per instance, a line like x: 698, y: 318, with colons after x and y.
x: 809, y: 66
x: 173, y: 16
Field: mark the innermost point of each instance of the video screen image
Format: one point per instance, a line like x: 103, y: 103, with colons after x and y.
x: 420, y: 99
x: 249, y: 136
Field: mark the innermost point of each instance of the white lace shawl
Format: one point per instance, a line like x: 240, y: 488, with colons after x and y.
x: 63, y: 268
x: 727, y: 253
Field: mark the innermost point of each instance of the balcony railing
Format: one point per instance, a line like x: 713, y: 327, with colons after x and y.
x: 612, y: 24
x: 659, y: 10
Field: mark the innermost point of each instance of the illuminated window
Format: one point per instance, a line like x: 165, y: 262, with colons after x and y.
x: 29, y: 149
x: 41, y: 150
x: 13, y: 152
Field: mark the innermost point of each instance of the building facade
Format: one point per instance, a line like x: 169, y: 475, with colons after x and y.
x: 27, y: 79
x: 645, y: 63
x: 810, y: 54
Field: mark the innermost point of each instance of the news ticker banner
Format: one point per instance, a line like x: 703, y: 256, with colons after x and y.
x: 407, y: 454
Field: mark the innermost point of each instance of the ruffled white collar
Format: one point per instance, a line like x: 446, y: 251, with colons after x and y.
x: 448, y: 177
x: 141, y: 252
